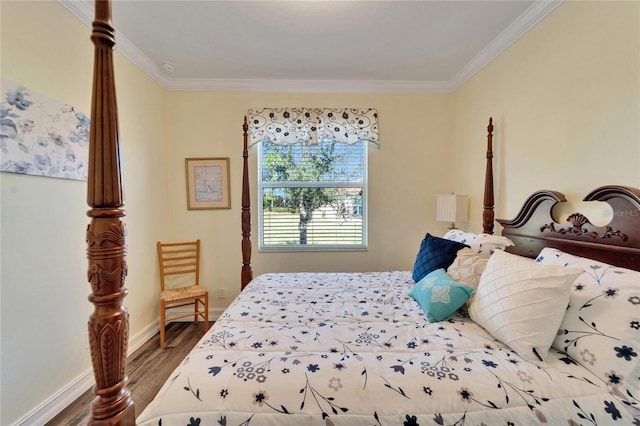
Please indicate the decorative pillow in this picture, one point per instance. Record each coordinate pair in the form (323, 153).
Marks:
(521, 303)
(439, 295)
(601, 327)
(466, 269)
(484, 244)
(434, 253)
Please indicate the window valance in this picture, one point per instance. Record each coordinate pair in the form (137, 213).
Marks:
(310, 125)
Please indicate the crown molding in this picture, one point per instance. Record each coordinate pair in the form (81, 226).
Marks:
(83, 10)
(311, 86)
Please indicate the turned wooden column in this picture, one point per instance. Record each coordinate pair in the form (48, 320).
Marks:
(106, 238)
(487, 210)
(247, 273)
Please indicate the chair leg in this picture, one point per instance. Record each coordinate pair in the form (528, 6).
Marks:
(162, 319)
(206, 312)
(195, 311)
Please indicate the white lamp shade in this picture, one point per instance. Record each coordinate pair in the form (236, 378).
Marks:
(452, 208)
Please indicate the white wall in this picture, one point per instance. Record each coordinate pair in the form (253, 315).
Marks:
(44, 307)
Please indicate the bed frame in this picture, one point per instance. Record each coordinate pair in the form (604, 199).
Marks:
(617, 243)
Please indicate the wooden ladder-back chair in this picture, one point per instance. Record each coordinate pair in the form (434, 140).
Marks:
(180, 283)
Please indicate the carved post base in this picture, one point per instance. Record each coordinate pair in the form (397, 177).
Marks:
(125, 418)
(109, 322)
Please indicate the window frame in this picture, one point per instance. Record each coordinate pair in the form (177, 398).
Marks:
(314, 247)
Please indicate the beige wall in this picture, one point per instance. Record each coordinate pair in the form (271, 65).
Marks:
(44, 284)
(404, 178)
(566, 103)
(565, 100)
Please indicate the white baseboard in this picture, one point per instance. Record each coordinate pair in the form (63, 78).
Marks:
(50, 408)
(56, 403)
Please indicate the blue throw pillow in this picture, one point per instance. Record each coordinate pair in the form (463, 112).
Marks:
(435, 253)
(439, 296)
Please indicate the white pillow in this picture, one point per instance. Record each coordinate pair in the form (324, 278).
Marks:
(601, 327)
(483, 244)
(521, 303)
(467, 268)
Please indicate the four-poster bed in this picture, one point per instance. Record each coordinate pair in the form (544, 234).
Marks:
(355, 348)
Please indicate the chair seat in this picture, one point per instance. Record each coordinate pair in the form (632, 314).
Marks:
(182, 293)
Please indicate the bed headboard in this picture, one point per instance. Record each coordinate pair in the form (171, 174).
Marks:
(617, 243)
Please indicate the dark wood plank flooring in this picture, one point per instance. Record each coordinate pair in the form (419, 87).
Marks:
(147, 368)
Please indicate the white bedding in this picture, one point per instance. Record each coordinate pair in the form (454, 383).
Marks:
(356, 349)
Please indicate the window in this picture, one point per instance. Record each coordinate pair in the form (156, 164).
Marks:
(312, 196)
(312, 176)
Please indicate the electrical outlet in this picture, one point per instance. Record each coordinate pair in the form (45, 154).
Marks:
(221, 294)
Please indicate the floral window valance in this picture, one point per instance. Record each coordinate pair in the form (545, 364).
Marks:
(310, 125)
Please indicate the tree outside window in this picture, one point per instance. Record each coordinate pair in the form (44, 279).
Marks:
(312, 195)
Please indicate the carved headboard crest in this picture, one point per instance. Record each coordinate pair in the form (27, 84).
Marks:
(617, 243)
(578, 220)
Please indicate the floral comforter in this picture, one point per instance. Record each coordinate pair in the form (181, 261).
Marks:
(356, 349)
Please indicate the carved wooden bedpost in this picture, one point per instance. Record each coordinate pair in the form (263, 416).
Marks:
(106, 238)
(247, 273)
(487, 211)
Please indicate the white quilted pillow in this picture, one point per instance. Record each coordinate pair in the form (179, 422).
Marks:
(483, 244)
(467, 268)
(521, 303)
(601, 327)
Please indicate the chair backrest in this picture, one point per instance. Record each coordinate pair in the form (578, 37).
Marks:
(179, 264)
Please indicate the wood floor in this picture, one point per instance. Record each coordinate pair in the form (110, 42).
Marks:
(147, 369)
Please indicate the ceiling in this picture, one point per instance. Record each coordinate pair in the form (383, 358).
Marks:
(307, 45)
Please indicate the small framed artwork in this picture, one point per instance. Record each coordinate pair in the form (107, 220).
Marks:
(208, 184)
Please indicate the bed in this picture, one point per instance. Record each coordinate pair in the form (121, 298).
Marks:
(356, 348)
(359, 348)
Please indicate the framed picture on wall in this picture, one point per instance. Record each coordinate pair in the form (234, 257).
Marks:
(208, 184)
